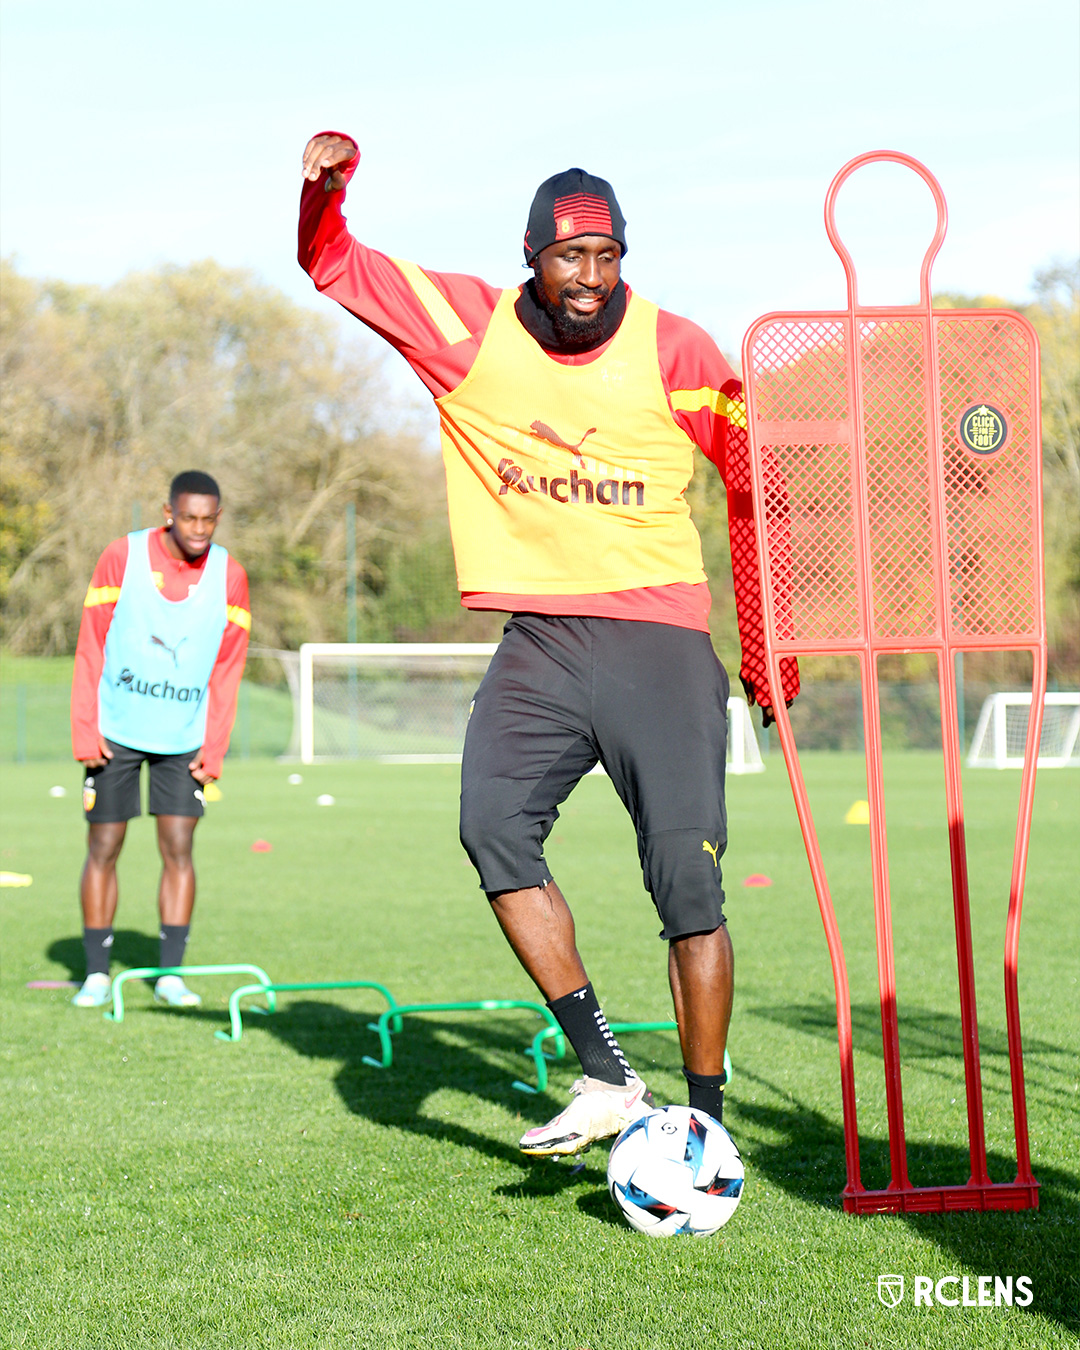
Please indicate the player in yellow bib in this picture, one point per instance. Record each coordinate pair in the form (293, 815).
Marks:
(569, 410)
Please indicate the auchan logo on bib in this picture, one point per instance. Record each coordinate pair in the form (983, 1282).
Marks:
(150, 688)
(576, 489)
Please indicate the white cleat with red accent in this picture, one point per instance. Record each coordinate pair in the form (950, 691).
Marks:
(597, 1111)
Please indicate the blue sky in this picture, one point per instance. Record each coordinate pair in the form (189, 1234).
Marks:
(138, 133)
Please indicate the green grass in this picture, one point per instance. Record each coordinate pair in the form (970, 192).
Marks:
(163, 1188)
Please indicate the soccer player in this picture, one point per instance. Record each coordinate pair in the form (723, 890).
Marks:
(570, 408)
(158, 663)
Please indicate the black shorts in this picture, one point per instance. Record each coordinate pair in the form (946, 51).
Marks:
(111, 794)
(646, 700)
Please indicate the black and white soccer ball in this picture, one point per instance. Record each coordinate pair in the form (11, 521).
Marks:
(676, 1170)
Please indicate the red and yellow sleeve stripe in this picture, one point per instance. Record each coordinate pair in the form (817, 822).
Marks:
(437, 307)
(715, 400)
(108, 595)
(101, 595)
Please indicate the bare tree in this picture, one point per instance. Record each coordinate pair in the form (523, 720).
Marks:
(108, 392)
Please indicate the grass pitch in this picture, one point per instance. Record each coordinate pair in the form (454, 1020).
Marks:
(163, 1188)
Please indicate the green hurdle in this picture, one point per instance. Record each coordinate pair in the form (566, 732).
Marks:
(389, 1022)
(236, 1024)
(153, 972)
(382, 1026)
(536, 1050)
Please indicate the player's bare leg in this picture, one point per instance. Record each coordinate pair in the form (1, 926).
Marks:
(701, 970)
(176, 893)
(98, 894)
(176, 901)
(98, 889)
(539, 927)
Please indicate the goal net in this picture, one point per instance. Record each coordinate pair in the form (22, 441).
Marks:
(1001, 732)
(408, 703)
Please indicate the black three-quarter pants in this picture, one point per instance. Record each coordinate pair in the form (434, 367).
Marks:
(646, 700)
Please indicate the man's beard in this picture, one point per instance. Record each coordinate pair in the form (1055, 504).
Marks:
(574, 330)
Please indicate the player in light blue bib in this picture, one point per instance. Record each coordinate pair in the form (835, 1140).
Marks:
(159, 654)
(163, 642)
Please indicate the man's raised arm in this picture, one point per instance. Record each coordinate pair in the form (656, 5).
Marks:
(436, 320)
(327, 151)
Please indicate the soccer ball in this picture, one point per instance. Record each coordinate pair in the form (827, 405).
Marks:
(675, 1171)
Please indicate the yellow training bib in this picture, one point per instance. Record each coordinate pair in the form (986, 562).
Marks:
(567, 480)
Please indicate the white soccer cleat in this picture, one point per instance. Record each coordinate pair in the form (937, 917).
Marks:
(96, 991)
(172, 990)
(598, 1111)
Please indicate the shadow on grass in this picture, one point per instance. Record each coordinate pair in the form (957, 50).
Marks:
(130, 949)
(932, 1043)
(598, 1206)
(924, 1033)
(802, 1151)
(430, 1054)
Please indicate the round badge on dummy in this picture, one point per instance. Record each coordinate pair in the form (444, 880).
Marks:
(983, 428)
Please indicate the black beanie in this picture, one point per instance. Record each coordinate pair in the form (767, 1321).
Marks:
(573, 203)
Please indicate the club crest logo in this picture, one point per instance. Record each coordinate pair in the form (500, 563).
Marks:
(983, 429)
(890, 1289)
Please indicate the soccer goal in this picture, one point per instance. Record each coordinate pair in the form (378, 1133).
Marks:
(408, 703)
(399, 702)
(1001, 732)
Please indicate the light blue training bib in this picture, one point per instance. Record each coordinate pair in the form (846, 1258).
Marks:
(159, 654)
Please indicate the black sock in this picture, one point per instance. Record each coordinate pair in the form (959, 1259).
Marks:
(174, 938)
(707, 1092)
(587, 1030)
(97, 943)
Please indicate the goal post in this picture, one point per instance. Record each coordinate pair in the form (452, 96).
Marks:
(408, 702)
(1002, 729)
(743, 751)
(386, 700)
